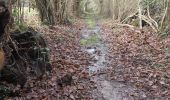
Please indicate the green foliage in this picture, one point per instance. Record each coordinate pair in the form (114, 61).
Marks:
(148, 2)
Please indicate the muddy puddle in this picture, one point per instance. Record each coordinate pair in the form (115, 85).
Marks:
(92, 43)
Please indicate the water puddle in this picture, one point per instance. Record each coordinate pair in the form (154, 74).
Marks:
(91, 51)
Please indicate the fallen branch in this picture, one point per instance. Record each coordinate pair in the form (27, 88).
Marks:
(150, 22)
(134, 14)
(125, 25)
(153, 21)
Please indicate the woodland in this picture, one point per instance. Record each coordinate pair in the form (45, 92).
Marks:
(84, 49)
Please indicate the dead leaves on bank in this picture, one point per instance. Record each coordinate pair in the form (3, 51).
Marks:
(140, 57)
(68, 80)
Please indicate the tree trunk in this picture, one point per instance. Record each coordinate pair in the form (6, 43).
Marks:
(140, 14)
(167, 19)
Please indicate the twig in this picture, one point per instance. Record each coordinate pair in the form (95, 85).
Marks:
(147, 20)
(163, 18)
(134, 14)
(155, 23)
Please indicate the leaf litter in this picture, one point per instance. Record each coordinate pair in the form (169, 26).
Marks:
(138, 58)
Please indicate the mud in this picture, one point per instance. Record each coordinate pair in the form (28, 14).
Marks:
(98, 69)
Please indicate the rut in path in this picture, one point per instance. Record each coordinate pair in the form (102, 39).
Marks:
(93, 43)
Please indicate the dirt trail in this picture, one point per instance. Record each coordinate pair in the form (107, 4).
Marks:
(93, 43)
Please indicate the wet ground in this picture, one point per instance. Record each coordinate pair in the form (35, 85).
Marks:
(93, 43)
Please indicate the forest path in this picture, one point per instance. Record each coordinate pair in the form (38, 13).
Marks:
(92, 42)
(104, 62)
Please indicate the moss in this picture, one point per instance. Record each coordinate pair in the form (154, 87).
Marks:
(83, 42)
(135, 22)
(90, 41)
(91, 22)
